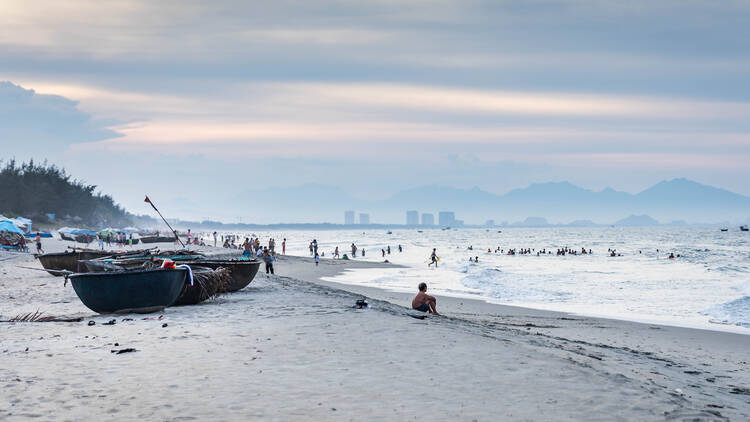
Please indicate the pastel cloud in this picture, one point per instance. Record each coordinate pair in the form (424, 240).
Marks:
(659, 87)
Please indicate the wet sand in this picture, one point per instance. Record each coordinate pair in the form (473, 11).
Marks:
(293, 347)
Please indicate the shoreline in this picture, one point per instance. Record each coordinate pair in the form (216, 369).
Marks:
(405, 297)
(293, 347)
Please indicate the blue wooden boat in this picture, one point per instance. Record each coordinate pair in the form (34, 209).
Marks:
(140, 291)
(32, 235)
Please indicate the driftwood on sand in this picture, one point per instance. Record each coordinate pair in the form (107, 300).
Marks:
(38, 317)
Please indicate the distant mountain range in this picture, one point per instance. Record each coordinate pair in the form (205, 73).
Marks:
(678, 201)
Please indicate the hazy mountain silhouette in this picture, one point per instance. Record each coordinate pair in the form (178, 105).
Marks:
(637, 220)
(557, 202)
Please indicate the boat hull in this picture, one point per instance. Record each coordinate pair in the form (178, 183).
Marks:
(69, 261)
(157, 239)
(140, 291)
(242, 272)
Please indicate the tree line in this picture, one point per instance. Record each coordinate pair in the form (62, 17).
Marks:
(34, 190)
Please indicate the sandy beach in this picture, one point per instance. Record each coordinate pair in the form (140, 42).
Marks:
(293, 347)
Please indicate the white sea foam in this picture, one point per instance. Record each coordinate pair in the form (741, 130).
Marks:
(709, 282)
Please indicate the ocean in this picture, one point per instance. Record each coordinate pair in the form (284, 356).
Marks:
(708, 286)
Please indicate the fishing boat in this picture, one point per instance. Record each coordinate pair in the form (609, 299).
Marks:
(69, 261)
(743, 228)
(136, 259)
(66, 233)
(725, 230)
(157, 239)
(140, 291)
(242, 271)
(83, 235)
(32, 235)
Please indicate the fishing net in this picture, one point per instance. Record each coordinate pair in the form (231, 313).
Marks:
(207, 284)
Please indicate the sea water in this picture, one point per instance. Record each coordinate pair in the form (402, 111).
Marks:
(708, 286)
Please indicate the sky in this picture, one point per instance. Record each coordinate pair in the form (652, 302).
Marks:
(209, 100)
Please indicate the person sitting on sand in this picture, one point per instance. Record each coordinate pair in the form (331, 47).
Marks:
(423, 302)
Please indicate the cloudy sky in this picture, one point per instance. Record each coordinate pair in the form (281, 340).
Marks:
(376, 96)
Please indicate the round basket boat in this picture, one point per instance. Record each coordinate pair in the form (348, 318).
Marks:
(140, 291)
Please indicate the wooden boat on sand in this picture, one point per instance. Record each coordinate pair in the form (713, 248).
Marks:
(241, 271)
(140, 291)
(157, 239)
(68, 260)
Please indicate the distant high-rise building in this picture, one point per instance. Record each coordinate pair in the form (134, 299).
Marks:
(349, 217)
(428, 219)
(364, 218)
(447, 218)
(412, 218)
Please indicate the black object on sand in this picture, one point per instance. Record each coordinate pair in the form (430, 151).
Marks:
(121, 351)
(361, 304)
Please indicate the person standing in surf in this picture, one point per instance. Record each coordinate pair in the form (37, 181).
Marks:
(433, 258)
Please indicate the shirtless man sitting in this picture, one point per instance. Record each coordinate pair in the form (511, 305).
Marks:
(424, 302)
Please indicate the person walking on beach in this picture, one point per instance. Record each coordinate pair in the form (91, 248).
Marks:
(214, 239)
(268, 259)
(433, 258)
(38, 240)
(354, 250)
(283, 247)
(317, 259)
(423, 302)
(336, 252)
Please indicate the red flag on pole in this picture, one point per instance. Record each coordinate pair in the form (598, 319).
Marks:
(147, 200)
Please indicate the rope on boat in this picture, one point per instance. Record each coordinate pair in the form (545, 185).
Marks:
(190, 271)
